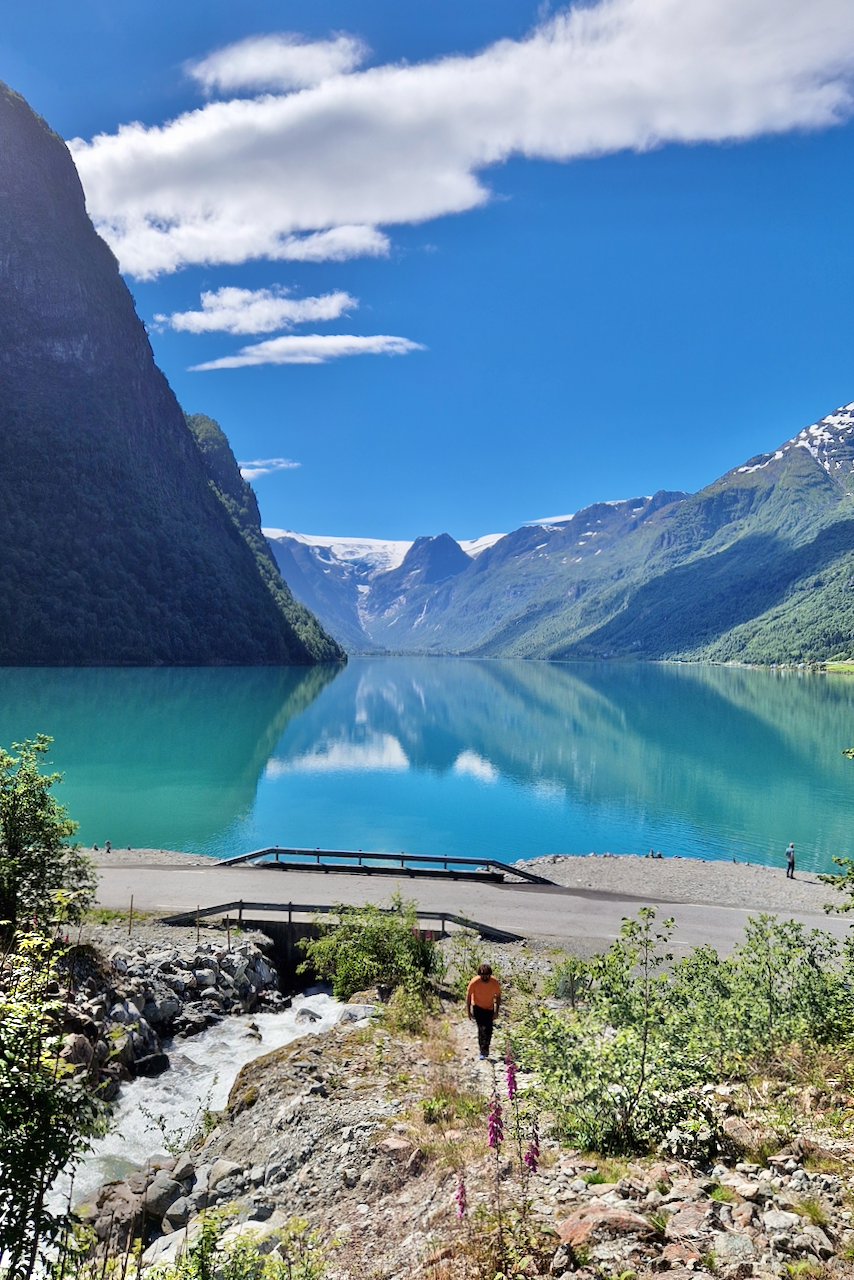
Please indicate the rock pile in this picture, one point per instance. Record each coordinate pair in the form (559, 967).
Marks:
(295, 1140)
(117, 1019)
(739, 1221)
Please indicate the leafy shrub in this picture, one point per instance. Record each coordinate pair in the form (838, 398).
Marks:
(36, 863)
(624, 1070)
(48, 1111)
(361, 947)
(568, 980)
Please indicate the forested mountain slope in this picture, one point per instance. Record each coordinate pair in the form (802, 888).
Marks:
(114, 546)
(756, 567)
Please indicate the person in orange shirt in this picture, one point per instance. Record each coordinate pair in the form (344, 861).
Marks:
(483, 1000)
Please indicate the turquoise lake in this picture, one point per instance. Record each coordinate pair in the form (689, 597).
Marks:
(449, 756)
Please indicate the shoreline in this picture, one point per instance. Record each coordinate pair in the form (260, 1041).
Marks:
(633, 876)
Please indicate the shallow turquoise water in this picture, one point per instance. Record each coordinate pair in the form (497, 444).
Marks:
(432, 755)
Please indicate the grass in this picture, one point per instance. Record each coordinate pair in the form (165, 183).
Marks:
(607, 1171)
(448, 1103)
(813, 1209)
(110, 915)
(725, 1195)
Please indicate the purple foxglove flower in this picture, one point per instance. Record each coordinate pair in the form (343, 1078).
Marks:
(460, 1197)
(495, 1123)
(512, 1087)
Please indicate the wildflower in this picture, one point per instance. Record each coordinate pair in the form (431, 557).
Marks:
(494, 1123)
(460, 1197)
(531, 1158)
(512, 1087)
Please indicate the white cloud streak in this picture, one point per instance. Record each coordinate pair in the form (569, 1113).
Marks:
(314, 174)
(312, 348)
(281, 61)
(264, 466)
(232, 310)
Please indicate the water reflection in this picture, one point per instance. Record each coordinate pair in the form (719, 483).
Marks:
(433, 755)
(712, 761)
(162, 757)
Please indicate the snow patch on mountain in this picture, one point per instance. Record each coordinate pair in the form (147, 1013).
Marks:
(474, 546)
(375, 554)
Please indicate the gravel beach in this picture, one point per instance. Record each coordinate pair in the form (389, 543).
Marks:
(720, 884)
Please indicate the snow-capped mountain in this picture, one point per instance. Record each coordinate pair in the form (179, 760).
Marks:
(353, 579)
(758, 566)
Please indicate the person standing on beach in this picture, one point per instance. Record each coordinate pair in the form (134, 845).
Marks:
(483, 1000)
(790, 862)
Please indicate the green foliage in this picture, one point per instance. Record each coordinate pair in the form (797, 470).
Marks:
(569, 980)
(464, 951)
(361, 947)
(35, 861)
(297, 1255)
(407, 1009)
(624, 1069)
(47, 1111)
(239, 500)
(114, 549)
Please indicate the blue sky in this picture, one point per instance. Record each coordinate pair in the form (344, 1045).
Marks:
(621, 261)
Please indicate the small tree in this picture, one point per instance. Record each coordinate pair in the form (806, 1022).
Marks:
(35, 860)
(48, 1111)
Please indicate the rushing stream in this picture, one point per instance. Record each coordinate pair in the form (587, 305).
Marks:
(202, 1071)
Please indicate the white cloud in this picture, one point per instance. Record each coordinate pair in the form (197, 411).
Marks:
(282, 61)
(313, 174)
(312, 348)
(264, 466)
(231, 310)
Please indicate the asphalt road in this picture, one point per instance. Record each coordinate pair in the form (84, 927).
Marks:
(581, 919)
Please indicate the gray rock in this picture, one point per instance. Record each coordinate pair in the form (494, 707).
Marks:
(152, 1064)
(177, 1215)
(161, 1192)
(775, 1220)
(818, 1240)
(222, 1169)
(205, 978)
(184, 1167)
(730, 1247)
(166, 1249)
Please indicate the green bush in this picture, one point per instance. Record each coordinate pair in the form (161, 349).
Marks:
(624, 1069)
(48, 1111)
(361, 947)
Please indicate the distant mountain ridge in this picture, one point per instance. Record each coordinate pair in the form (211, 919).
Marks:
(117, 544)
(756, 567)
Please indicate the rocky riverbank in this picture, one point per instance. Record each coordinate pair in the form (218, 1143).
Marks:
(128, 996)
(363, 1133)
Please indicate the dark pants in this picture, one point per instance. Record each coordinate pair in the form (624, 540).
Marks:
(484, 1019)
(790, 870)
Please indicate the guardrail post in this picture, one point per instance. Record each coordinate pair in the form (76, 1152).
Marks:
(240, 913)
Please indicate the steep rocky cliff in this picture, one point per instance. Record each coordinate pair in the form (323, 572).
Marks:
(114, 546)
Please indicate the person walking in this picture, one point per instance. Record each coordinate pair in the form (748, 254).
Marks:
(790, 862)
(483, 1000)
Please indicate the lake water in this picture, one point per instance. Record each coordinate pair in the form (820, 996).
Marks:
(449, 756)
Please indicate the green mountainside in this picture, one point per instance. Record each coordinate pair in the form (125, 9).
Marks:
(114, 546)
(756, 567)
(239, 500)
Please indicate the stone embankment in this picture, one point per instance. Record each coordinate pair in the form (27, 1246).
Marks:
(126, 999)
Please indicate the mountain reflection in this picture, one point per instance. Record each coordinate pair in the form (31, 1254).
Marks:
(157, 757)
(747, 759)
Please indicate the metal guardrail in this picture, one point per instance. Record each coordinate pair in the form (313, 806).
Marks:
(284, 859)
(486, 931)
